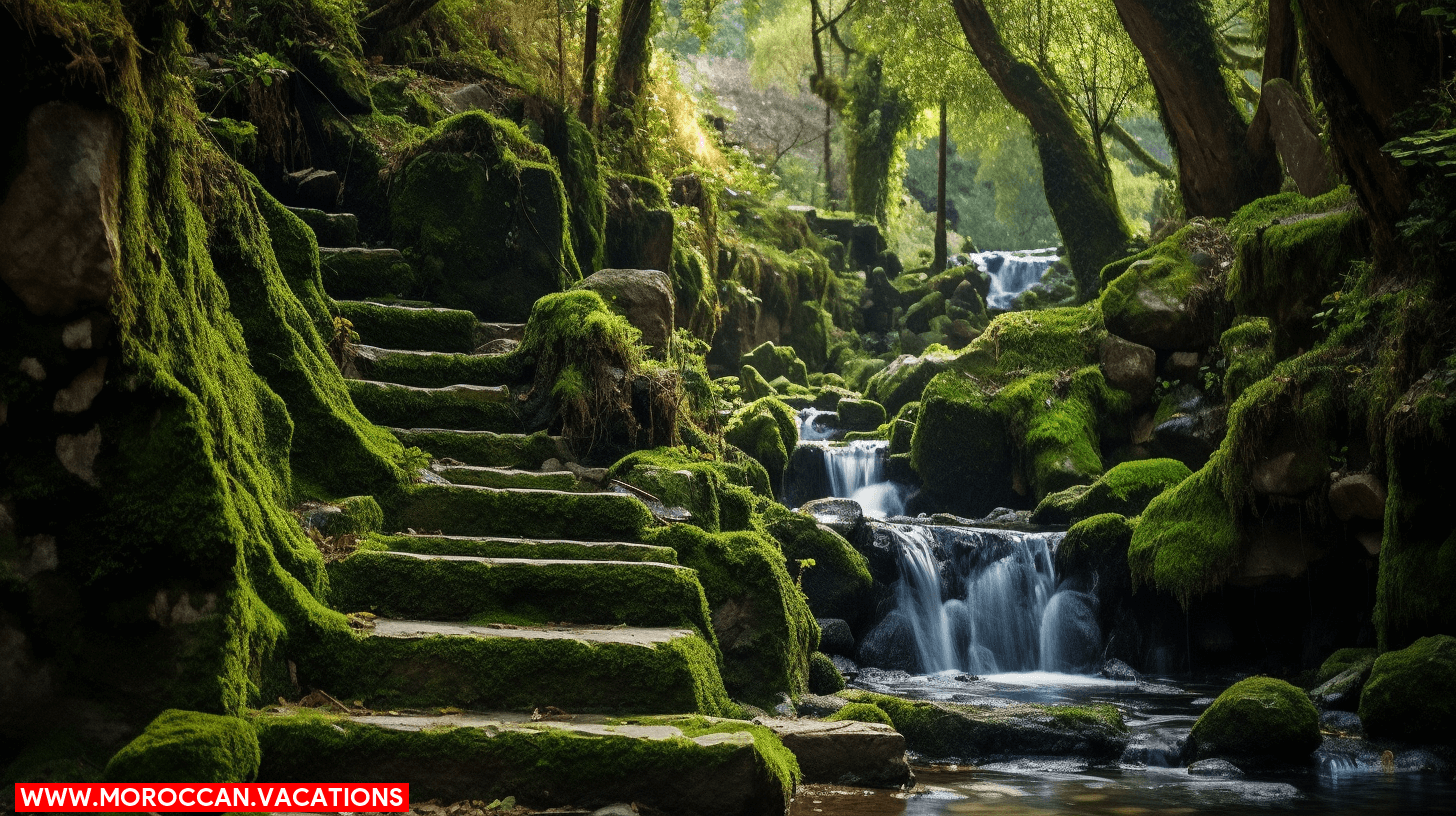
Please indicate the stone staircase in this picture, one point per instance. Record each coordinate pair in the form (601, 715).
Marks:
(498, 591)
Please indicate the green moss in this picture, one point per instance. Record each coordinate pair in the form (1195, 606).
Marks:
(767, 430)
(439, 370)
(521, 548)
(188, 746)
(1097, 545)
(1411, 693)
(575, 151)
(1343, 660)
(1187, 542)
(681, 478)
(1042, 340)
(396, 327)
(485, 448)
(576, 769)
(1249, 349)
(860, 415)
(362, 514)
(861, 712)
(584, 592)
(960, 443)
(859, 370)
(1056, 508)
(356, 274)
(1056, 418)
(398, 406)
(838, 584)
(764, 626)
(1127, 488)
(778, 361)
(1259, 719)
(1147, 303)
(483, 511)
(824, 678)
(1289, 242)
(530, 479)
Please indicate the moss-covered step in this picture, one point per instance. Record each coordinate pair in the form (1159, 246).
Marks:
(486, 448)
(500, 547)
(412, 327)
(690, 766)
(600, 669)
(512, 477)
(356, 272)
(466, 587)
(487, 511)
(463, 407)
(429, 369)
(331, 229)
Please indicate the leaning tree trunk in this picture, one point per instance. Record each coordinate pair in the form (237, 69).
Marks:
(1217, 172)
(1078, 188)
(629, 74)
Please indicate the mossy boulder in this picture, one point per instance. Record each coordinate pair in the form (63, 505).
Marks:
(752, 386)
(1098, 546)
(960, 445)
(1161, 298)
(778, 361)
(860, 415)
(767, 430)
(1056, 508)
(824, 678)
(1127, 488)
(481, 212)
(1258, 721)
(1411, 693)
(189, 746)
(711, 489)
(905, 378)
(861, 712)
(1249, 348)
(1187, 543)
(837, 584)
(1342, 660)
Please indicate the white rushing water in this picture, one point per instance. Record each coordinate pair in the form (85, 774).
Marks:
(811, 428)
(992, 606)
(856, 470)
(1013, 273)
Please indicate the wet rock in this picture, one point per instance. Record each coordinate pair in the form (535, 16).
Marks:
(58, 222)
(1345, 722)
(846, 753)
(1341, 691)
(618, 809)
(1128, 366)
(1115, 669)
(1259, 721)
(1189, 426)
(890, 644)
(644, 297)
(843, 516)
(785, 707)
(835, 637)
(1409, 693)
(1358, 495)
(1216, 769)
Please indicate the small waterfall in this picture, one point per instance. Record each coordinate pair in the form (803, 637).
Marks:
(853, 470)
(812, 429)
(986, 602)
(1012, 273)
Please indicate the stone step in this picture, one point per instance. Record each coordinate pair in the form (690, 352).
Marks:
(545, 514)
(511, 477)
(356, 272)
(502, 331)
(845, 752)
(412, 327)
(463, 407)
(502, 547)
(688, 766)
(486, 448)
(430, 369)
(620, 669)
(331, 229)
(467, 587)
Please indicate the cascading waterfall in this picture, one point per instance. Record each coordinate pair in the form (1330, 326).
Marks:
(986, 602)
(811, 428)
(1012, 273)
(856, 470)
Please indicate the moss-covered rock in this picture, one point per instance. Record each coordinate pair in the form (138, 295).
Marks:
(484, 511)
(482, 213)
(824, 678)
(680, 478)
(189, 746)
(1258, 721)
(861, 712)
(960, 445)
(752, 386)
(405, 327)
(1249, 348)
(767, 430)
(1411, 693)
(837, 584)
(904, 379)
(1342, 660)
(356, 273)
(466, 408)
(1161, 298)
(504, 547)
(1127, 488)
(860, 415)
(433, 369)
(486, 448)
(1187, 543)
(1098, 545)
(778, 361)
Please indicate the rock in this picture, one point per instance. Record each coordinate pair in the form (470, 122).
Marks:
(904, 379)
(860, 415)
(1358, 495)
(974, 733)
(1115, 669)
(835, 637)
(338, 78)
(1183, 365)
(644, 297)
(917, 317)
(815, 705)
(1410, 692)
(1345, 722)
(552, 466)
(846, 667)
(78, 453)
(846, 753)
(1296, 137)
(824, 678)
(470, 97)
(315, 188)
(1292, 473)
(1056, 508)
(355, 272)
(1153, 303)
(1259, 721)
(785, 707)
(1188, 426)
(620, 808)
(58, 223)
(890, 645)
(777, 361)
(331, 229)
(189, 746)
(1215, 769)
(77, 397)
(597, 475)
(1128, 366)
(1341, 692)
(843, 516)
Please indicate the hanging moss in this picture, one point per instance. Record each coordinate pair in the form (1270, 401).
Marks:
(1249, 349)
(1187, 543)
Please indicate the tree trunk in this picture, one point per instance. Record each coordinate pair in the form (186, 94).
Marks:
(1217, 172)
(629, 73)
(389, 15)
(938, 264)
(818, 86)
(1078, 189)
(589, 66)
(1281, 53)
(1367, 66)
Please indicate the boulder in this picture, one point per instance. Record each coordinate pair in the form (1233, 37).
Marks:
(752, 386)
(824, 678)
(1411, 693)
(918, 316)
(1358, 495)
(1341, 692)
(838, 583)
(860, 415)
(1153, 303)
(1343, 660)
(1183, 365)
(469, 97)
(778, 361)
(1115, 669)
(890, 645)
(835, 637)
(845, 752)
(644, 297)
(1292, 473)
(356, 272)
(905, 378)
(1188, 426)
(314, 188)
(331, 229)
(1056, 508)
(59, 241)
(843, 516)
(1260, 721)
(1215, 769)
(1125, 489)
(1128, 366)
(189, 746)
